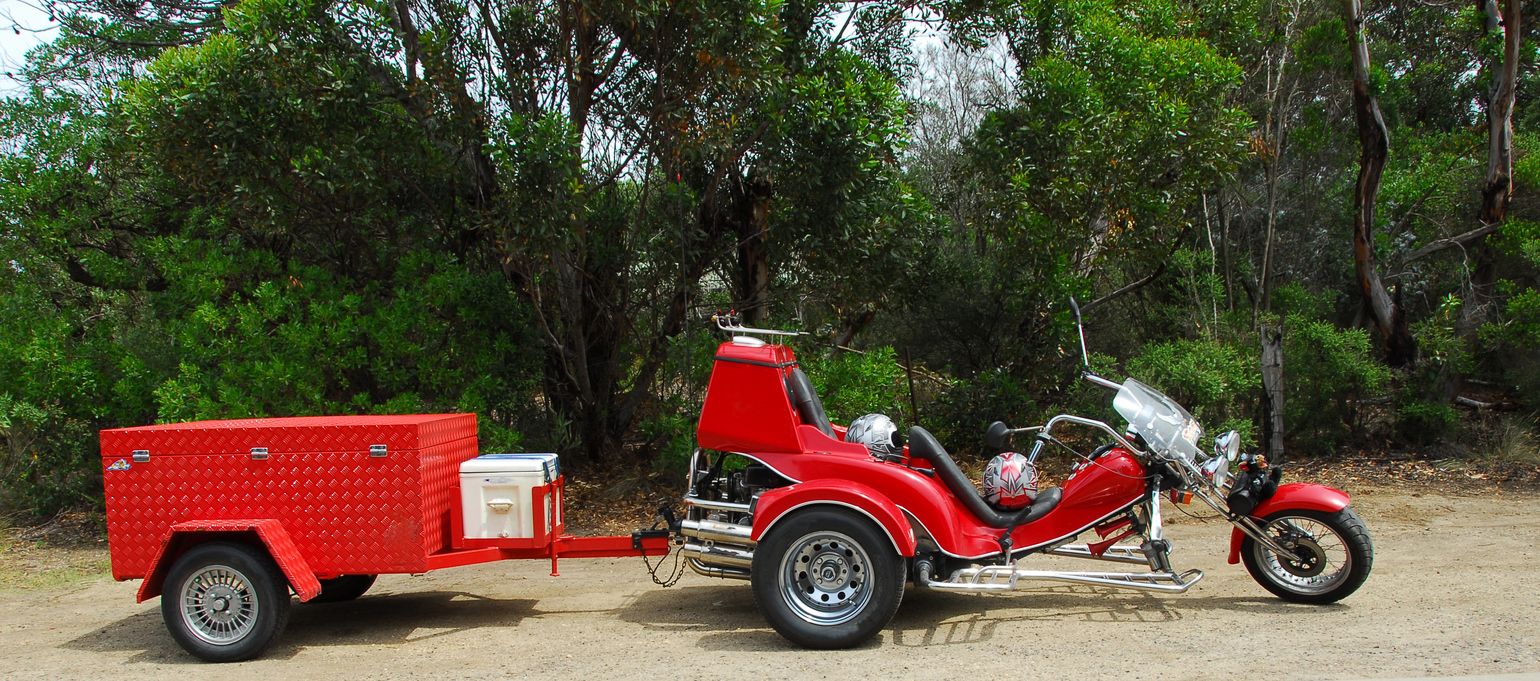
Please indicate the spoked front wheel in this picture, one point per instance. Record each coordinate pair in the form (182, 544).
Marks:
(1331, 557)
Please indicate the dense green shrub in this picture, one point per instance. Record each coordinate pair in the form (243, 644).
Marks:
(1215, 381)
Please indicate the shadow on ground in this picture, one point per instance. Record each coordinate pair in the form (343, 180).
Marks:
(728, 619)
(371, 620)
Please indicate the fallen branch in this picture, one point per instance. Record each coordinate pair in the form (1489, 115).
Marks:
(1450, 242)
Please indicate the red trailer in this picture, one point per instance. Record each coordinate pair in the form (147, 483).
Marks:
(224, 517)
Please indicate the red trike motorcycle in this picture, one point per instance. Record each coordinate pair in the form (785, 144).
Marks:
(829, 532)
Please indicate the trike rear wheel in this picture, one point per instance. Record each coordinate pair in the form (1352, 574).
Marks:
(827, 578)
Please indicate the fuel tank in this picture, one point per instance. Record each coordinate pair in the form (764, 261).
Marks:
(1094, 490)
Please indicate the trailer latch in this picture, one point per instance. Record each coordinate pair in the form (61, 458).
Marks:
(258, 453)
(141, 455)
(378, 450)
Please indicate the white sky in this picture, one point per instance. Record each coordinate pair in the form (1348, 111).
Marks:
(22, 26)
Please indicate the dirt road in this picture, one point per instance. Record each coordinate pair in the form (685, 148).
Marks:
(1453, 591)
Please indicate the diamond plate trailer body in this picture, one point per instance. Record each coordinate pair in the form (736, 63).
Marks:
(323, 496)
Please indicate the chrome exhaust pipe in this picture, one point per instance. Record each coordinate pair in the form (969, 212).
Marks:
(717, 532)
(719, 572)
(717, 555)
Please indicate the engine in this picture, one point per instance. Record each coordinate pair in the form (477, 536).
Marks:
(719, 512)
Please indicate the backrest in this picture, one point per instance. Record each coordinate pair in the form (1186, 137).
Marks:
(805, 399)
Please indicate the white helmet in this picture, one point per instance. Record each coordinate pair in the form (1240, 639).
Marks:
(877, 432)
(1010, 482)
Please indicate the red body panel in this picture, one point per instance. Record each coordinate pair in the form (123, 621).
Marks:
(347, 512)
(747, 411)
(1099, 490)
(776, 503)
(1306, 496)
(269, 532)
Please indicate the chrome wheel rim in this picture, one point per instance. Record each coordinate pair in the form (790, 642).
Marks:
(219, 605)
(1321, 559)
(825, 578)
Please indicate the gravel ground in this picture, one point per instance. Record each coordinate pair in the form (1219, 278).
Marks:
(1452, 593)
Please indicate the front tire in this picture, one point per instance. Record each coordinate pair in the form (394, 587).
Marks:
(225, 602)
(827, 578)
(1332, 558)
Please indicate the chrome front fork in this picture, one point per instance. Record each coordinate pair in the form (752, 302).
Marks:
(1156, 549)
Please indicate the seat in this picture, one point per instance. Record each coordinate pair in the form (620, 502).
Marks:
(805, 400)
(924, 445)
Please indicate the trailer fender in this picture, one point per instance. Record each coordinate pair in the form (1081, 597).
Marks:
(269, 533)
(1306, 496)
(777, 503)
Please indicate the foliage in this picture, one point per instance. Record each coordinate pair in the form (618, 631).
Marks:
(527, 209)
(1214, 381)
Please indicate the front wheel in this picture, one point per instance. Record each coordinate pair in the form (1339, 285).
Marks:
(827, 578)
(1331, 559)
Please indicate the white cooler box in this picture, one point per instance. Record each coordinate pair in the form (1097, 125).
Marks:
(496, 494)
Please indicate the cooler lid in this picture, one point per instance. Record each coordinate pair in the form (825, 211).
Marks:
(398, 432)
(511, 463)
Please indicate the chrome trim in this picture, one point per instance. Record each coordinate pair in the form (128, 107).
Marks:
(141, 455)
(1102, 425)
(258, 453)
(1006, 578)
(719, 532)
(1026, 549)
(1114, 554)
(378, 451)
(716, 505)
(1098, 380)
(719, 572)
(718, 555)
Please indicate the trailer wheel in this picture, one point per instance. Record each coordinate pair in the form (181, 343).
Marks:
(827, 578)
(225, 602)
(344, 588)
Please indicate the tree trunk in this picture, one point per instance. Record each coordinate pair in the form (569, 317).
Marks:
(1497, 189)
(1374, 150)
(753, 230)
(1272, 389)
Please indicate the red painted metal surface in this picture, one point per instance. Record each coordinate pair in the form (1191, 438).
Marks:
(346, 511)
(777, 503)
(747, 411)
(1306, 496)
(746, 406)
(268, 532)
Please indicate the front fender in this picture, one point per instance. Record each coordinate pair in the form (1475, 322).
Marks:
(781, 501)
(1295, 496)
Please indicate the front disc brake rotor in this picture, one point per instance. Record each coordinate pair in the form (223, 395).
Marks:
(1308, 559)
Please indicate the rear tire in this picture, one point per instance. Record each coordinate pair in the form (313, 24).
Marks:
(1333, 557)
(344, 588)
(225, 602)
(827, 578)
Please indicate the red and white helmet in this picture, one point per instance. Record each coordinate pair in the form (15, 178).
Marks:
(1010, 482)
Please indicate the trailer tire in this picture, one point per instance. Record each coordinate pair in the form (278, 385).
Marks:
(225, 601)
(827, 578)
(344, 588)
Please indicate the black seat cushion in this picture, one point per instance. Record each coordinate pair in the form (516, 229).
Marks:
(925, 446)
(805, 400)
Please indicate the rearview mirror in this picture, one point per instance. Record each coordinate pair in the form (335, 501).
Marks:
(997, 438)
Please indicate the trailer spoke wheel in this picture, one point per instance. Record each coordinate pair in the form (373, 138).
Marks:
(225, 601)
(822, 578)
(218, 604)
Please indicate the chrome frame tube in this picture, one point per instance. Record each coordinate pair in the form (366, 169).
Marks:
(1068, 418)
(989, 578)
(1114, 554)
(713, 571)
